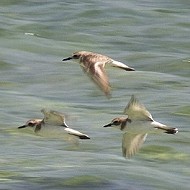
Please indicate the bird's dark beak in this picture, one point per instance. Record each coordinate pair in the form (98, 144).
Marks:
(68, 58)
(108, 125)
(23, 126)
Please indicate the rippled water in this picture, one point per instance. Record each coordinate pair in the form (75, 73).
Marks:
(153, 37)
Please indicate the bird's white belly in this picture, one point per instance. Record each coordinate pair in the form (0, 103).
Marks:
(141, 127)
(56, 132)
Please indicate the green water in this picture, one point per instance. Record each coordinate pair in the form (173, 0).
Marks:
(153, 37)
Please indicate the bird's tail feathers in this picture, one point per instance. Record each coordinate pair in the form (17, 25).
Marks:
(168, 130)
(121, 66)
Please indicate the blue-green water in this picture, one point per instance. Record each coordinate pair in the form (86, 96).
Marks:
(151, 36)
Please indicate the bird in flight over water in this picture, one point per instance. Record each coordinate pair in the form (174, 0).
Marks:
(136, 125)
(93, 65)
(53, 125)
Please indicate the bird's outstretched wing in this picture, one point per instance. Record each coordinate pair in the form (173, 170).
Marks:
(136, 111)
(96, 71)
(53, 117)
(131, 143)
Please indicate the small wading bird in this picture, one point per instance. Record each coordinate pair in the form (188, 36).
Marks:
(136, 126)
(93, 65)
(53, 125)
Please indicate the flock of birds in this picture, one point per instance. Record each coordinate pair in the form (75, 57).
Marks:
(135, 126)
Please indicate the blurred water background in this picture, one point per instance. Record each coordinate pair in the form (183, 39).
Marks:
(151, 36)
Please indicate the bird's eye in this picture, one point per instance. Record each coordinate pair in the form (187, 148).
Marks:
(30, 124)
(75, 56)
(116, 122)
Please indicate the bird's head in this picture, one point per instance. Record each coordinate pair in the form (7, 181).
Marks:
(32, 123)
(119, 123)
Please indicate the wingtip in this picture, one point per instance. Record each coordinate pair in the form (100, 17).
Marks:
(84, 137)
(129, 69)
(126, 154)
(45, 111)
(108, 95)
(172, 131)
(132, 101)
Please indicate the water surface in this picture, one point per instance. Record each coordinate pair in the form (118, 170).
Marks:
(152, 37)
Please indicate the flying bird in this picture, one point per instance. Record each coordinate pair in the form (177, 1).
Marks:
(136, 125)
(93, 65)
(53, 125)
